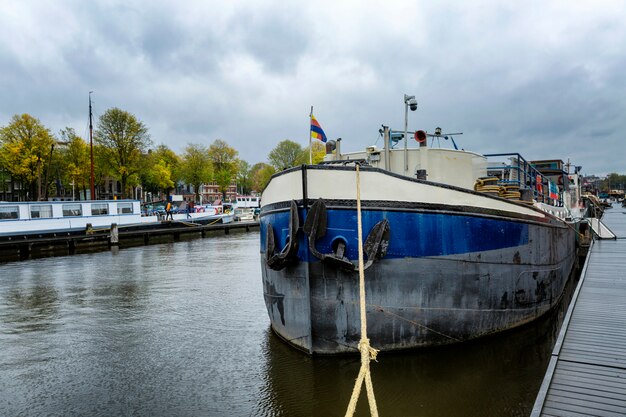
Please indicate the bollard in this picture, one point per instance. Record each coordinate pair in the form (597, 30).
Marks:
(115, 237)
(71, 247)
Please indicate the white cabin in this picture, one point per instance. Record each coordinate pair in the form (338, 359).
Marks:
(18, 217)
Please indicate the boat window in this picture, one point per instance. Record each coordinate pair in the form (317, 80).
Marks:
(99, 209)
(72, 210)
(9, 212)
(124, 208)
(41, 211)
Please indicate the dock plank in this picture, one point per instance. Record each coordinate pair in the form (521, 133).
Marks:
(587, 374)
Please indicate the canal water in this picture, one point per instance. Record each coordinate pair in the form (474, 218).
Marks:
(180, 329)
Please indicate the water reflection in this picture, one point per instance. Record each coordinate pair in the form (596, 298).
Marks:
(496, 376)
(30, 308)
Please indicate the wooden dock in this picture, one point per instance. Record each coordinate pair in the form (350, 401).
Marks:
(586, 375)
(24, 246)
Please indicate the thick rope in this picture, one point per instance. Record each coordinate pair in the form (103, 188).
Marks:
(367, 352)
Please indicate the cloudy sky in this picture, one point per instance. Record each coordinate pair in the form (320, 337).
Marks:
(546, 79)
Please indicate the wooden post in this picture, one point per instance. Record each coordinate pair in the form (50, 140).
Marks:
(24, 250)
(115, 237)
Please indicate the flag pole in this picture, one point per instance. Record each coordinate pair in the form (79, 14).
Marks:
(310, 143)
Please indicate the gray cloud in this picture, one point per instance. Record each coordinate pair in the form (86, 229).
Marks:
(544, 80)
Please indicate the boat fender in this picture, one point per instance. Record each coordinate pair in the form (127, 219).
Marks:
(375, 246)
(288, 255)
(377, 242)
(420, 136)
(315, 228)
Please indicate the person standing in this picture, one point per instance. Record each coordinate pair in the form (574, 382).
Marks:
(168, 211)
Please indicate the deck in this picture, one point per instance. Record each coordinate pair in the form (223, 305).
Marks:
(586, 375)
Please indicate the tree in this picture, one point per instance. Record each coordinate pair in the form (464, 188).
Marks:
(244, 181)
(75, 165)
(285, 155)
(225, 164)
(161, 170)
(614, 181)
(260, 175)
(319, 151)
(123, 139)
(25, 150)
(195, 168)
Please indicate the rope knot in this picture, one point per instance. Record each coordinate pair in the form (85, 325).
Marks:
(365, 348)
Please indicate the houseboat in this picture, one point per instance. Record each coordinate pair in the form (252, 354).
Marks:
(458, 245)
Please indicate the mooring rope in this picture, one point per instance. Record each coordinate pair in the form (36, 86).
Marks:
(368, 353)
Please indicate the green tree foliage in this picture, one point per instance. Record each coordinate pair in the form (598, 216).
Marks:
(161, 170)
(75, 166)
(244, 180)
(285, 155)
(319, 151)
(225, 164)
(260, 175)
(25, 149)
(196, 168)
(614, 181)
(123, 140)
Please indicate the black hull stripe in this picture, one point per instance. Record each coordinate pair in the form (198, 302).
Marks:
(420, 207)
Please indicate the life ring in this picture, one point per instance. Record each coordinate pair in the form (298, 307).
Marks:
(420, 136)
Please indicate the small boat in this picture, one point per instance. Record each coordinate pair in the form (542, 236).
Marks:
(244, 214)
(53, 216)
(458, 245)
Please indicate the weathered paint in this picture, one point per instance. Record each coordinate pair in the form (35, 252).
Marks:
(445, 279)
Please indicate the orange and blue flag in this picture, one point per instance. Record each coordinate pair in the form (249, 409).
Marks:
(316, 130)
(554, 190)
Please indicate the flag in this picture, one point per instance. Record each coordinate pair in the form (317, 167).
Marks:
(316, 130)
(554, 191)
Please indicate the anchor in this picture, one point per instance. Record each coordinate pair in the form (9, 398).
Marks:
(375, 246)
(288, 255)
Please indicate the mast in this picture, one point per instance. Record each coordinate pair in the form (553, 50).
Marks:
(91, 184)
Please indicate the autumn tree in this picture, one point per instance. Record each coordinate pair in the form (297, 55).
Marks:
(25, 149)
(123, 139)
(260, 175)
(195, 167)
(285, 155)
(75, 166)
(317, 156)
(161, 170)
(225, 164)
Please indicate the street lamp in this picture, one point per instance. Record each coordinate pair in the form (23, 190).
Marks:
(409, 101)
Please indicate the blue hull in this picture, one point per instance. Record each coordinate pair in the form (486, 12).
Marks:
(446, 277)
